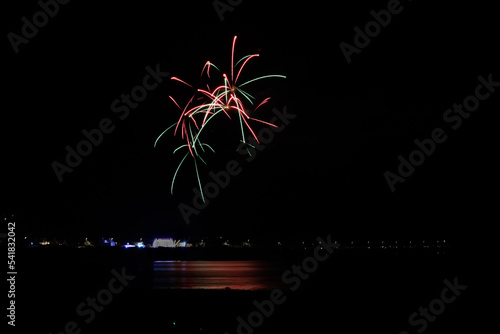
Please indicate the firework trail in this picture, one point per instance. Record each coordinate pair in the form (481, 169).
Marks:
(224, 99)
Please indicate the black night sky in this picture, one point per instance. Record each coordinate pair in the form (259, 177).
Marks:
(385, 133)
(323, 172)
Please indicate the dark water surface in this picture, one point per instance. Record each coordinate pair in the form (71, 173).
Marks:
(351, 292)
(235, 275)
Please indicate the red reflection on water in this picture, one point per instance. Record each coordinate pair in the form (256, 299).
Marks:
(236, 275)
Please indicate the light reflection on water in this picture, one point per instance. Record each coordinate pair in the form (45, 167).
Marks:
(236, 275)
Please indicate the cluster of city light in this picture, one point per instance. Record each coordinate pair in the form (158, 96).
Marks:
(224, 241)
(169, 243)
(136, 245)
(157, 243)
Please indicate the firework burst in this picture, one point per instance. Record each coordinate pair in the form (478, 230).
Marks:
(206, 104)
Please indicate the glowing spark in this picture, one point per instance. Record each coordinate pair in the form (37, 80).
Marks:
(175, 78)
